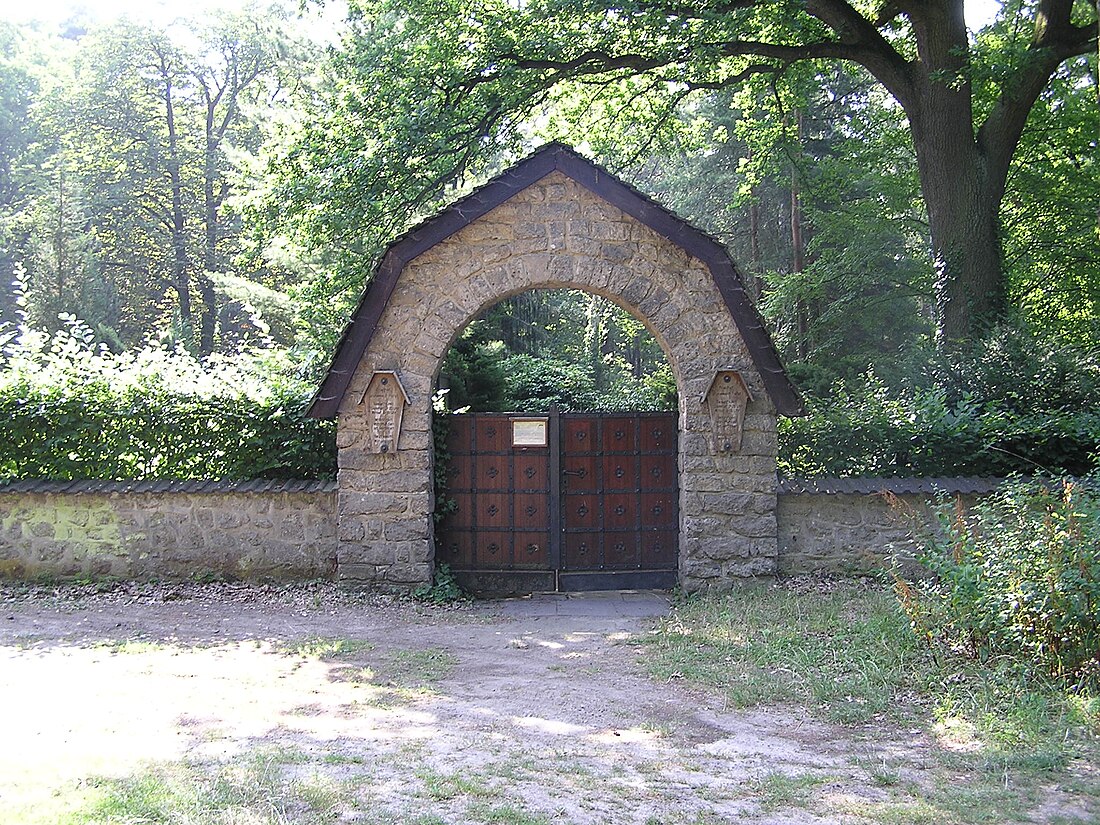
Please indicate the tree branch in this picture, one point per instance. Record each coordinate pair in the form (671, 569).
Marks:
(857, 40)
(1054, 41)
(867, 45)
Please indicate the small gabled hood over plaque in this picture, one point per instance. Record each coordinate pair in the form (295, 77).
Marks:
(726, 400)
(385, 399)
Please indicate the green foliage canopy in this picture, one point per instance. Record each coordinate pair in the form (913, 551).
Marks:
(561, 347)
(1012, 403)
(425, 93)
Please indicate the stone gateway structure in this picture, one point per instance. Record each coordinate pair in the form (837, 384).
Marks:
(556, 220)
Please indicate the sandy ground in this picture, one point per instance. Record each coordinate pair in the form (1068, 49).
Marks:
(550, 714)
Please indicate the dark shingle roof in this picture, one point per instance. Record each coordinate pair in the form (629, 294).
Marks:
(898, 486)
(98, 487)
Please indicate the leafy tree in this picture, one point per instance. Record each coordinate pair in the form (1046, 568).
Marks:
(1052, 244)
(143, 121)
(827, 163)
(61, 251)
(17, 89)
(240, 55)
(425, 92)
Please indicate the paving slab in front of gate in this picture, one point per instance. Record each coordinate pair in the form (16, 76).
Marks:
(615, 604)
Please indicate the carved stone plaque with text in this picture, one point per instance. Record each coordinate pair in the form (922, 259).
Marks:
(385, 400)
(725, 402)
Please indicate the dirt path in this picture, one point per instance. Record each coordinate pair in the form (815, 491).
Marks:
(374, 711)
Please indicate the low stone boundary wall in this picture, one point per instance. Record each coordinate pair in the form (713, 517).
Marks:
(287, 529)
(848, 526)
(168, 529)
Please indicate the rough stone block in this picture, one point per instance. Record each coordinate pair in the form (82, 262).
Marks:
(358, 573)
(409, 574)
(352, 531)
(407, 530)
(378, 554)
(753, 526)
(732, 504)
(369, 504)
(42, 529)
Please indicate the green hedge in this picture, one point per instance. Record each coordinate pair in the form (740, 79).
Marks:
(71, 410)
(873, 434)
(1012, 403)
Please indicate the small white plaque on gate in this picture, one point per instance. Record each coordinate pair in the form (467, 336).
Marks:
(529, 432)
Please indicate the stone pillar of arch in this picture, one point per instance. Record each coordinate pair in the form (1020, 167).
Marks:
(556, 228)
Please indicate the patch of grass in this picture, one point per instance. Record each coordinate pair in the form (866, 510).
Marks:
(393, 697)
(319, 647)
(253, 790)
(446, 786)
(343, 759)
(883, 773)
(913, 812)
(416, 668)
(427, 819)
(660, 730)
(504, 815)
(321, 794)
(847, 654)
(283, 755)
(133, 646)
(844, 656)
(782, 790)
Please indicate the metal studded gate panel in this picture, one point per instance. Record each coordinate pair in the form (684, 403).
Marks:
(619, 501)
(579, 501)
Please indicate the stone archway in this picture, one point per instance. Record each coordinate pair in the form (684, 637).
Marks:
(557, 220)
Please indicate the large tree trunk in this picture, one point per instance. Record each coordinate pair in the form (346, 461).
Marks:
(210, 243)
(970, 294)
(963, 205)
(180, 275)
(962, 201)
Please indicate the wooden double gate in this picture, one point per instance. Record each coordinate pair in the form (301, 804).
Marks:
(576, 501)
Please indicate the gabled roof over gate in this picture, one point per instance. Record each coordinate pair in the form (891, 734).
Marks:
(554, 156)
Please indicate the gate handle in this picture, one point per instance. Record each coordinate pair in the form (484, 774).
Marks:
(573, 473)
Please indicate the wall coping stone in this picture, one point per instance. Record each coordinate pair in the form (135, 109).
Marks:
(134, 487)
(787, 486)
(898, 486)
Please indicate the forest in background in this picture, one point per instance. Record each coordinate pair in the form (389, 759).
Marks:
(188, 214)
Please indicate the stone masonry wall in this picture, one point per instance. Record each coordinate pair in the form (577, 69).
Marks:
(854, 533)
(270, 530)
(148, 530)
(557, 234)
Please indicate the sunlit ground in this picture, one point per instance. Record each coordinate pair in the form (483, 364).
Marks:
(766, 707)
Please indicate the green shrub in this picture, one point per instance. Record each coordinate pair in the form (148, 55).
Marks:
(72, 409)
(1012, 403)
(535, 383)
(1017, 576)
(443, 589)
